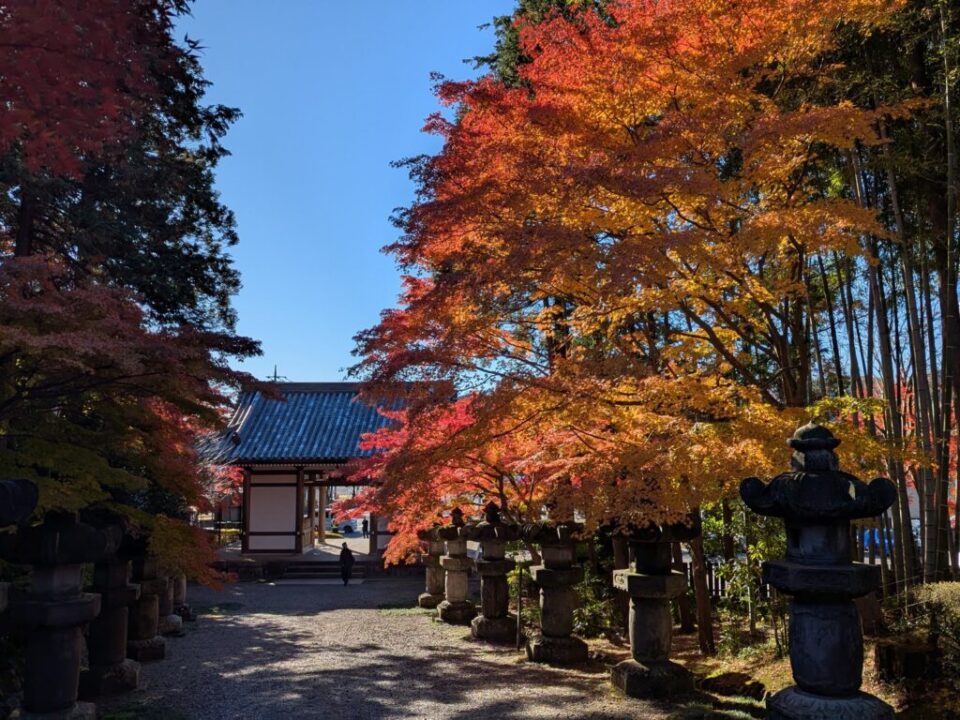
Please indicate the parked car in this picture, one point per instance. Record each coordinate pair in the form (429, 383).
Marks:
(346, 527)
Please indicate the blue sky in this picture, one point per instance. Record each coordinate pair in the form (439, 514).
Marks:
(331, 93)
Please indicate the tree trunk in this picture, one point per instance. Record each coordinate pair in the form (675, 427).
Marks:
(727, 537)
(687, 623)
(903, 538)
(702, 593)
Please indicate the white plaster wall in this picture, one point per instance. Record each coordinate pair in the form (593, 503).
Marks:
(259, 479)
(382, 527)
(272, 509)
(265, 542)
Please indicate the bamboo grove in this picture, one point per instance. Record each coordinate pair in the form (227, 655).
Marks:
(658, 237)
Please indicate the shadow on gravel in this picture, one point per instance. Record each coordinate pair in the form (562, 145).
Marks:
(378, 683)
(267, 669)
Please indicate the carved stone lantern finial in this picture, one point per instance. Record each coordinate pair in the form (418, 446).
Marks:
(817, 501)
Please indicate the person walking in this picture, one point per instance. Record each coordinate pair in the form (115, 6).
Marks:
(365, 527)
(346, 564)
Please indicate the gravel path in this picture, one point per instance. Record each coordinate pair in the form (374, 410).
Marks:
(325, 651)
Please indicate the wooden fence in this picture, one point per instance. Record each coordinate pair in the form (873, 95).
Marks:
(717, 583)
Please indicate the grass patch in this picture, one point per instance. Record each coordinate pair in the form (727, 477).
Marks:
(225, 608)
(720, 709)
(398, 609)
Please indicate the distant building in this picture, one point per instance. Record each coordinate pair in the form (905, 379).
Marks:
(294, 453)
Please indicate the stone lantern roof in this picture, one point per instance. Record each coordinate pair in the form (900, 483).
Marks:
(817, 490)
(552, 533)
(492, 528)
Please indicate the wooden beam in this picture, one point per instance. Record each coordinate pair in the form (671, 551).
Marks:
(245, 526)
(322, 534)
(298, 511)
(312, 502)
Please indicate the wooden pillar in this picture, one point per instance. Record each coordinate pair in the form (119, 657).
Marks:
(245, 520)
(298, 512)
(312, 502)
(323, 513)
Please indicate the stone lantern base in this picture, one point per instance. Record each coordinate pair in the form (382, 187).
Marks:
(171, 625)
(110, 680)
(500, 630)
(652, 679)
(79, 711)
(795, 704)
(556, 650)
(154, 648)
(429, 600)
(457, 613)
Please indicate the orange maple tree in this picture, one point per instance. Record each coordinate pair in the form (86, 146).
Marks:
(614, 251)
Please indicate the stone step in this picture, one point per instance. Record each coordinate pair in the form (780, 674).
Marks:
(320, 573)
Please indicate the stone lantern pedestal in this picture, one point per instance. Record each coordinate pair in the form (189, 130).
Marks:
(433, 594)
(144, 642)
(817, 502)
(110, 671)
(54, 611)
(652, 584)
(456, 608)
(555, 643)
(494, 623)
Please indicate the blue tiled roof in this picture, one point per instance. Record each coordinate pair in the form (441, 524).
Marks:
(316, 423)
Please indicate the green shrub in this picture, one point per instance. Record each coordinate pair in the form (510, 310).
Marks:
(530, 613)
(941, 602)
(596, 613)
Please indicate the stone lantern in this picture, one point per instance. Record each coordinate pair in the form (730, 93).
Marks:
(110, 671)
(456, 608)
(169, 623)
(651, 584)
(817, 502)
(433, 594)
(144, 642)
(555, 643)
(54, 611)
(494, 623)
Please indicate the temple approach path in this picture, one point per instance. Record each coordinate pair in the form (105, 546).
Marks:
(263, 651)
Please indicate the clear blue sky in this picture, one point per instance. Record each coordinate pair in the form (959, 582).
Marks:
(331, 93)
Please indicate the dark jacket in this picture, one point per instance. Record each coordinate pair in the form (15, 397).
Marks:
(346, 558)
